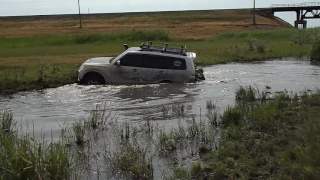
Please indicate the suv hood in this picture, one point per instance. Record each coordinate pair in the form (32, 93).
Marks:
(98, 60)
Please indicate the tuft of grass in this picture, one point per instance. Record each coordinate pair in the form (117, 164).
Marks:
(166, 142)
(195, 170)
(98, 117)
(179, 109)
(256, 45)
(165, 110)
(7, 123)
(210, 105)
(181, 173)
(42, 70)
(212, 114)
(233, 116)
(131, 159)
(79, 132)
(246, 94)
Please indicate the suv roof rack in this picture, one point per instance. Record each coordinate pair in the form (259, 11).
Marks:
(173, 49)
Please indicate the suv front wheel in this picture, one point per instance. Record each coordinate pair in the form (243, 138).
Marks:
(93, 78)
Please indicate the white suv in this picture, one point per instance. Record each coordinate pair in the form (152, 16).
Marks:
(146, 64)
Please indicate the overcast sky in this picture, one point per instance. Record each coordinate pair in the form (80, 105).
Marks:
(40, 7)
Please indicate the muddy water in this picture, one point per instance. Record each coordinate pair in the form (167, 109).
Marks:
(46, 110)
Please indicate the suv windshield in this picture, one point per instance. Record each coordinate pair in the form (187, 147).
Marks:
(111, 60)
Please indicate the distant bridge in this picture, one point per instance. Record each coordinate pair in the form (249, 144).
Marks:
(306, 10)
(305, 4)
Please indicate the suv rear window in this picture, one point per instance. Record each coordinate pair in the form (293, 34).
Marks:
(153, 61)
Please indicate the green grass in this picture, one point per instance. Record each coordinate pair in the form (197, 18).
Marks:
(15, 79)
(51, 39)
(132, 160)
(306, 35)
(79, 132)
(315, 53)
(274, 139)
(23, 157)
(21, 57)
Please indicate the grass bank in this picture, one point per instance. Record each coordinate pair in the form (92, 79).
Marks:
(36, 62)
(198, 24)
(265, 137)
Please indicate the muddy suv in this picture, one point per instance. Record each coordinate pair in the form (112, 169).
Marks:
(146, 64)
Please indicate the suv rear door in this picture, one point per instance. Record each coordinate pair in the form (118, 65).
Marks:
(159, 68)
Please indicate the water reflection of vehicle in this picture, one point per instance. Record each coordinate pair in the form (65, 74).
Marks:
(161, 91)
(149, 100)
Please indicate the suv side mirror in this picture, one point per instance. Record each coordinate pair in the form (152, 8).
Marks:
(118, 63)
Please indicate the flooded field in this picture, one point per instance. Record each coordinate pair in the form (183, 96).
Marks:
(47, 110)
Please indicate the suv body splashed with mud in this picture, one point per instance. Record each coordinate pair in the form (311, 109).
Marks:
(146, 64)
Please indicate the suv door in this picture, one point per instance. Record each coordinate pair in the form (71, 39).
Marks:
(129, 71)
(159, 68)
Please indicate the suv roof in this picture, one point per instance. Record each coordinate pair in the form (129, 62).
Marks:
(166, 48)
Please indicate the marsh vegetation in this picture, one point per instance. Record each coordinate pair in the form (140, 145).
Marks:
(269, 136)
(273, 139)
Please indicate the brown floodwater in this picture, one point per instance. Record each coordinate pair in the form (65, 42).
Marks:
(48, 109)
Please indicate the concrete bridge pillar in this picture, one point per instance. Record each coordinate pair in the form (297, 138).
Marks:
(300, 22)
(298, 15)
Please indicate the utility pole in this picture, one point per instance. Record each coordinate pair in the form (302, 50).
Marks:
(254, 12)
(79, 14)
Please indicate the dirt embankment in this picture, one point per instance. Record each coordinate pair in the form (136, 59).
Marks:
(179, 24)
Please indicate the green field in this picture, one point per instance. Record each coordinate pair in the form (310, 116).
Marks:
(36, 62)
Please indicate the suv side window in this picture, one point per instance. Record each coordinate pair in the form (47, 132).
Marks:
(133, 60)
(164, 62)
(153, 61)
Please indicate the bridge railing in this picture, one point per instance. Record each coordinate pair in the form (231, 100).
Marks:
(305, 4)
